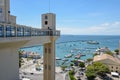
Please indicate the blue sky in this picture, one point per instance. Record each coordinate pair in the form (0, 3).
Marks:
(78, 17)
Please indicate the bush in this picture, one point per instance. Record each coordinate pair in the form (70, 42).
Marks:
(90, 59)
(71, 64)
(109, 53)
(117, 51)
(82, 64)
(63, 67)
(71, 74)
(95, 54)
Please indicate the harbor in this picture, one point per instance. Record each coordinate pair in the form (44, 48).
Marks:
(68, 49)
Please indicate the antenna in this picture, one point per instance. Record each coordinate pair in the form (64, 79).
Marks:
(49, 6)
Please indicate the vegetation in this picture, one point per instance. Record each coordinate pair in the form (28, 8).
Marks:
(89, 60)
(63, 67)
(97, 68)
(117, 51)
(71, 74)
(109, 53)
(82, 64)
(20, 57)
(71, 64)
(95, 54)
(29, 58)
(90, 72)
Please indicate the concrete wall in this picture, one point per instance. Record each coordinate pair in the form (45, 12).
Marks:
(9, 60)
(12, 19)
(9, 67)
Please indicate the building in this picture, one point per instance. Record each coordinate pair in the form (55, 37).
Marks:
(14, 36)
(102, 50)
(112, 62)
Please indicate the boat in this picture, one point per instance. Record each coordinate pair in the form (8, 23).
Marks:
(65, 59)
(77, 56)
(68, 56)
(57, 58)
(92, 42)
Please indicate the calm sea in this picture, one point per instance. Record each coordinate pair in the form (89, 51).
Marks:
(75, 44)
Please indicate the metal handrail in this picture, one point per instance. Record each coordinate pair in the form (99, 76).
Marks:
(7, 30)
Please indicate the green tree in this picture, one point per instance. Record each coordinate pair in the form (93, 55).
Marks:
(117, 51)
(71, 74)
(71, 64)
(100, 68)
(90, 72)
(97, 68)
(82, 64)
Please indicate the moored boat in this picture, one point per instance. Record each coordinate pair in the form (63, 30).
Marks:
(92, 42)
(68, 56)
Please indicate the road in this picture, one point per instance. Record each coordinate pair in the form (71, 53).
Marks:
(33, 76)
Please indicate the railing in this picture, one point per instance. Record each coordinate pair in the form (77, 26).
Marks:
(7, 30)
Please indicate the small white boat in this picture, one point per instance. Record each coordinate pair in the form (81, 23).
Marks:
(92, 42)
(57, 58)
(68, 56)
(65, 59)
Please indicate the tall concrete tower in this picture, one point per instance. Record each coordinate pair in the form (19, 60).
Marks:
(4, 10)
(49, 23)
(5, 16)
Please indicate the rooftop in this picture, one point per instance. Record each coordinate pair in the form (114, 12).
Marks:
(104, 57)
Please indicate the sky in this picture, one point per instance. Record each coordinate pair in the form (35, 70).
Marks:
(73, 17)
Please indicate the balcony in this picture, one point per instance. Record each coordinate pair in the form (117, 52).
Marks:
(9, 30)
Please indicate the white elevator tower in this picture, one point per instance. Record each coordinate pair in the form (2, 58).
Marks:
(49, 23)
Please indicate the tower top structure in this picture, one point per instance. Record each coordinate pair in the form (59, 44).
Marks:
(5, 12)
(49, 21)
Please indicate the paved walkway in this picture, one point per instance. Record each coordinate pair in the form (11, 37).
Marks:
(29, 71)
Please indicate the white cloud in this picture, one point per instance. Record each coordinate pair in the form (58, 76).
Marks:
(102, 29)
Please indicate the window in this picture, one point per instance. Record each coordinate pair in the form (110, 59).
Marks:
(49, 50)
(116, 67)
(20, 31)
(45, 50)
(1, 31)
(10, 31)
(34, 32)
(46, 17)
(0, 10)
(46, 22)
(49, 67)
(112, 67)
(45, 66)
(27, 31)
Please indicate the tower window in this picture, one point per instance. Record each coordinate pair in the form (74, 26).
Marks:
(45, 50)
(49, 67)
(46, 22)
(8, 11)
(45, 66)
(49, 50)
(0, 10)
(46, 17)
(116, 67)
